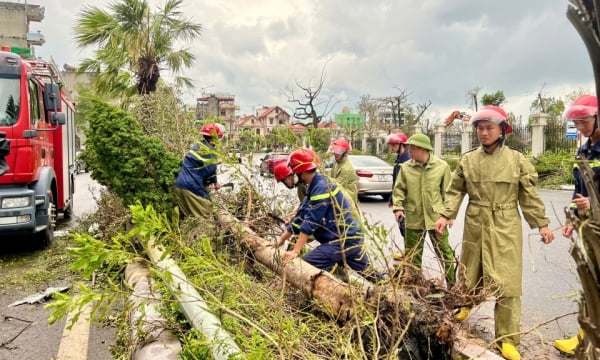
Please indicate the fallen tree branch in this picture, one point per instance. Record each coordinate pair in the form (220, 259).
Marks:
(340, 298)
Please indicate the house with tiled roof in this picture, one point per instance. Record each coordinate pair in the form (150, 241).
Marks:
(266, 119)
(297, 128)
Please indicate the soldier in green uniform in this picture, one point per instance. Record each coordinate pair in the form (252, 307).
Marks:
(342, 170)
(498, 180)
(418, 195)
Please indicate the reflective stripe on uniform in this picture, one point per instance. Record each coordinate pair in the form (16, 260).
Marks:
(592, 163)
(206, 161)
(325, 195)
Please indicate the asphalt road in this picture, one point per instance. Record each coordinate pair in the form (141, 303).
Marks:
(24, 330)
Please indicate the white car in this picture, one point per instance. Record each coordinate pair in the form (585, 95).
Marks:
(79, 165)
(374, 175)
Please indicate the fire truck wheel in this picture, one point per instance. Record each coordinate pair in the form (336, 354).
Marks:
(44, 238)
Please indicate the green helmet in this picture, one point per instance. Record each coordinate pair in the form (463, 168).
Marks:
(420, 140)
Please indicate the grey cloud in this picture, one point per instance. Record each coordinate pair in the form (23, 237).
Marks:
(437, 49)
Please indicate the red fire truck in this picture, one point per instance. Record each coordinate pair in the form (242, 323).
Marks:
(37, 149)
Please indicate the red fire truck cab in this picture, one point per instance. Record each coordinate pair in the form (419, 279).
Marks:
(37, 165)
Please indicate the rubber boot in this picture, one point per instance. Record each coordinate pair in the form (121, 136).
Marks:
(460, 314)
(510, 352)
(398, 256)
(568, 346)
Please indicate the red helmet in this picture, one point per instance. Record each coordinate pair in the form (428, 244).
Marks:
(303, 160)
(340, 146)
(211, 130)
(282, 170)
(397, 138)
(584, 106)
(492, 113)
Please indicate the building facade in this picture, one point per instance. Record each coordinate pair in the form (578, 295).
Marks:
(15, 19)
(222, 106)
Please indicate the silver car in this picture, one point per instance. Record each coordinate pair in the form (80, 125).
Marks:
(374, 175)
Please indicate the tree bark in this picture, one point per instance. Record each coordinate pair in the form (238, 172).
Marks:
(340, 297)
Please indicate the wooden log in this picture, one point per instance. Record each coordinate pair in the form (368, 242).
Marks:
(339, 297)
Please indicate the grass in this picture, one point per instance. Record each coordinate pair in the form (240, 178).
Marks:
(29, 270)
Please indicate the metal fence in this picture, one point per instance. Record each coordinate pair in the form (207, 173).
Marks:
(519, 138)
(556, 140)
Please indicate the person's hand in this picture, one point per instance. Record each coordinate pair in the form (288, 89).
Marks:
(450, 222)
(547, 235)
(218, 186)
(441, 224)
(567, 231)
(288, 256)
(399, 214)
(581, 202)
(291, 217)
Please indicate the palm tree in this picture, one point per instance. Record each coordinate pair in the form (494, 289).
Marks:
(134, 44)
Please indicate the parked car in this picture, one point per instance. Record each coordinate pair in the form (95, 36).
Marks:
(374, 175)
(267, 163)
(235, 154)
(79, 164)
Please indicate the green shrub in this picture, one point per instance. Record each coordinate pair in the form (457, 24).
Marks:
(452, 161)
(554, 169)
(134, 166)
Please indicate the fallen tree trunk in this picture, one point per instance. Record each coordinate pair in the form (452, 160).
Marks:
(340, 297)
(149, 332)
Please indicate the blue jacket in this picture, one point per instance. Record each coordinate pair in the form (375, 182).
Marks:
(326, 214)
(199, 169)
(592, 154)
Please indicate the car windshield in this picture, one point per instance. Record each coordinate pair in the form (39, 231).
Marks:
(10, 100)
(367, 161)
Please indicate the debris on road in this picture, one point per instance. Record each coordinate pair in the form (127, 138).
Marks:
(40, 297)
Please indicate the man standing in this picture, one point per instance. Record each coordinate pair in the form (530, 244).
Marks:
(397, 143)
(584, 114)
(326, 213)
(419, 193)
(498, 180)
(342, 170)
(199, 171)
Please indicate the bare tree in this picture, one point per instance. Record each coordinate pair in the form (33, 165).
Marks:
(472, 97)
(368, 106)
(311, 103)
(419, 114)
(395, 105)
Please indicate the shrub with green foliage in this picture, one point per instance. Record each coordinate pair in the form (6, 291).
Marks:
(554, 169)
(134, 166)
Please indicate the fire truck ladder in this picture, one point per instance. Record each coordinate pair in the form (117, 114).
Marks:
(48, 70)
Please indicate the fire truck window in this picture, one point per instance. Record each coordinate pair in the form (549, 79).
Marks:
(34, 104)
(9, 101)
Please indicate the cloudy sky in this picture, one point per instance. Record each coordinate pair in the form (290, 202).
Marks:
(437, 50)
